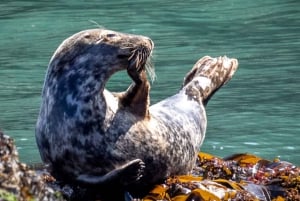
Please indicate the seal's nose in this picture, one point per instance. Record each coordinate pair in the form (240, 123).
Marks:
(151, 43)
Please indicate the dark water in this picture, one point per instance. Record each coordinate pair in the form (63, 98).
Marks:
(257, 112)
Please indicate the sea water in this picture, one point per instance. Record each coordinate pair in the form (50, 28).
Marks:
(257, 112)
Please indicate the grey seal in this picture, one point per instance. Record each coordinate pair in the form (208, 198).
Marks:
(93, 136)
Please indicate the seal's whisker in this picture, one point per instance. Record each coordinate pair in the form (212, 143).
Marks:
(144, 61)
(132, 55)
(150, 70)
(126, 47)
(97, 25)
(142, 57)
(99, 41)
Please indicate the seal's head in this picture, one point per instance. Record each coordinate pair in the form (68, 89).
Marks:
(101, 48)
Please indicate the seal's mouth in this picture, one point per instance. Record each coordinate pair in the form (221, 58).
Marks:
(140, 59)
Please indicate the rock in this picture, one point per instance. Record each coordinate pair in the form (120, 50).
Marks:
(17, 180)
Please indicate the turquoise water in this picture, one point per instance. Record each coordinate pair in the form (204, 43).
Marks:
(257, 112)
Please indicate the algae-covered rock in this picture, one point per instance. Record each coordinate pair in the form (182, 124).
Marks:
(19, 182)
(7, 196)
(241, 177)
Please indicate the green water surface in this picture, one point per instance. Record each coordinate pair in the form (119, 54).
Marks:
(257, 112)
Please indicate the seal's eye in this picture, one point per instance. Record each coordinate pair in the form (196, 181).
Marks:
(110, 35)
(87, 35)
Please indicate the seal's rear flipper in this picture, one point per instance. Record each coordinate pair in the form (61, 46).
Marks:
(207, 76)
(129, 173)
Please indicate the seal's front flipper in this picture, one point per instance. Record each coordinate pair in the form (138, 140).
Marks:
(131, 172)
(136, 98)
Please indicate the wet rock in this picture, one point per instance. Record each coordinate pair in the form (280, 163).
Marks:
(18, 182)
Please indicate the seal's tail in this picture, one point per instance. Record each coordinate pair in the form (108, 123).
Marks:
(207, 76)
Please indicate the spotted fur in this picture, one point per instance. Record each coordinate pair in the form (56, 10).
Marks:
(92, 136)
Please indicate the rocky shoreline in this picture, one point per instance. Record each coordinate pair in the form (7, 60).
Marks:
(17, 180)
(238, 177)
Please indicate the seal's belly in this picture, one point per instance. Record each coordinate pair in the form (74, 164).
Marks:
(167, 141)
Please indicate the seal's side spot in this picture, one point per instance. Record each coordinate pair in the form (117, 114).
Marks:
(92, 136)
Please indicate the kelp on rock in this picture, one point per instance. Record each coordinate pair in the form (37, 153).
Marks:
(237, 177)
(242, 177)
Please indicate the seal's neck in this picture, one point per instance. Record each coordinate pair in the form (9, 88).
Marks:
(76, 91)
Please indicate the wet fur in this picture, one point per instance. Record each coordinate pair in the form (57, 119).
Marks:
(94, 137)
